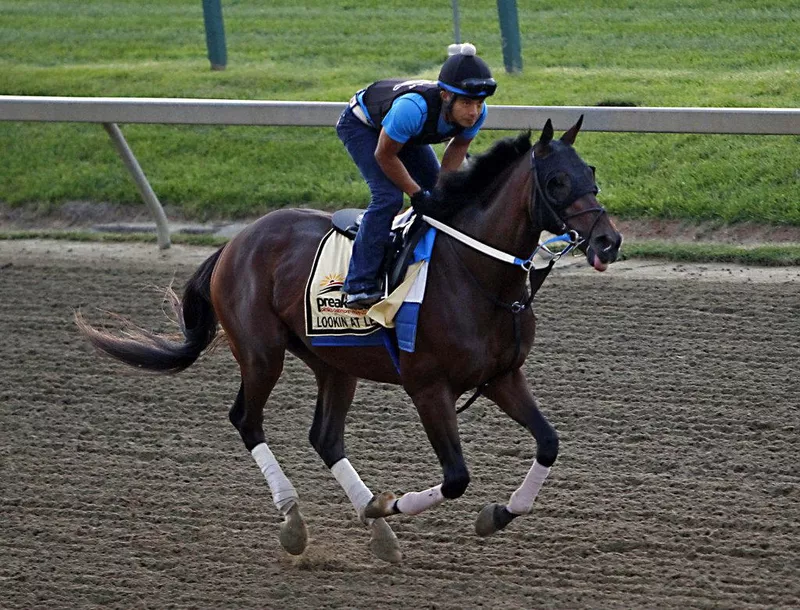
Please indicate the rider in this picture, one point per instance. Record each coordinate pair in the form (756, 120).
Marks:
(387, 129)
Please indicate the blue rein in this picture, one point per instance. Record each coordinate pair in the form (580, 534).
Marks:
(572, 239)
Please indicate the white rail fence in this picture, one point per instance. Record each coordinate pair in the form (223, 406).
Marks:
(110, 111)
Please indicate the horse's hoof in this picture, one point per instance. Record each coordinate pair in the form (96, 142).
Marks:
(383, 543)
(381, 505)
(294, 534)
(492, 518)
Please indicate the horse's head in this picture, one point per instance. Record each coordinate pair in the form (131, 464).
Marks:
(564, 197)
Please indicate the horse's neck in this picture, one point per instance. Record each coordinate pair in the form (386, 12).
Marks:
(504, 223)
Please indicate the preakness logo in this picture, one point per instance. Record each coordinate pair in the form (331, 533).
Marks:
(331, 283)
(332, 305)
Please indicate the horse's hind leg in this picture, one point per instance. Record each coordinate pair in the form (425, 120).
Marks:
(336, 391)
(259, 376)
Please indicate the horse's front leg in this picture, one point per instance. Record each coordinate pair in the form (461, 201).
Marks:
(513, 395)
(436, 408)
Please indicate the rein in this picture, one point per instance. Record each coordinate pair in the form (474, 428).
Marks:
(571, 237)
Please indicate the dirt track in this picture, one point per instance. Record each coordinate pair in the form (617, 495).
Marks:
(674, 388)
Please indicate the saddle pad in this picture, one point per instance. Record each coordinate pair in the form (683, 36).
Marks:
(330, 322)
(347, 221)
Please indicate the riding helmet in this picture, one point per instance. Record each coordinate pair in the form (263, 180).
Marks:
(464, 73)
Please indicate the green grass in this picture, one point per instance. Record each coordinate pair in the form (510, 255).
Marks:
(763, 256)
(671, 53)
(188, 239)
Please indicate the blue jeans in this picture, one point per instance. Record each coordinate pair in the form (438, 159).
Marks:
(361, 140)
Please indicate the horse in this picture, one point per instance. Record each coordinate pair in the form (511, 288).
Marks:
(253, 287)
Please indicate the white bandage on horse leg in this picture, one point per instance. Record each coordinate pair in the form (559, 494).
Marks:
(521, 502)
(352, 484)
(283, 492)
(414, 502)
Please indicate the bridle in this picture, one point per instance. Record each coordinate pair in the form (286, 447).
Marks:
(536, 216)
(536, 212)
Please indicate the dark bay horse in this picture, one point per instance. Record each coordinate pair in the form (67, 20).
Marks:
(254, 288)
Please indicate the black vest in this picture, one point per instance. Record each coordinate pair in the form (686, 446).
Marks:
(380, 95)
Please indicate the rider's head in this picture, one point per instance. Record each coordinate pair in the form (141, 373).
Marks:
(465, 82)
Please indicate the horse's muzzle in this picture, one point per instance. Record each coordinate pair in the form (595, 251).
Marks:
(603, 249)
(590, 220)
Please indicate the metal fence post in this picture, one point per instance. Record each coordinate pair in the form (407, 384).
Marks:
(162, 227)
(509, 31)
(456, 23)
(215, 34)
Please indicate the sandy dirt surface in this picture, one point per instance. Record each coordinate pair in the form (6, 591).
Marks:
(674, 389)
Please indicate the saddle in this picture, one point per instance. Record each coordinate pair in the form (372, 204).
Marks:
(407, 230)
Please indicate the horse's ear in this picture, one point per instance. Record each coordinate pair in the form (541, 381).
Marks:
(569, 136)
(547, 133)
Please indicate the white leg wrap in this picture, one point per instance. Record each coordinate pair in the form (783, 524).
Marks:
(521, 502)
(413, 503)
(352, 484)
(283, 492)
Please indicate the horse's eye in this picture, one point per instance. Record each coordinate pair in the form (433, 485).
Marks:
(558, 187)
(592, 171)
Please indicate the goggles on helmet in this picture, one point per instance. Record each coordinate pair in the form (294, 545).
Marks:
(472, 87)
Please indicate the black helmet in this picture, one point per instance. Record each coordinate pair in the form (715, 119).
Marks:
(467, 74)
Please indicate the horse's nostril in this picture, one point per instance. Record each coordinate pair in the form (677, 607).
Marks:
(606, 247)
(604, 244)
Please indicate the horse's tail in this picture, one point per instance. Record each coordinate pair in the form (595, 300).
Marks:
(146, 350)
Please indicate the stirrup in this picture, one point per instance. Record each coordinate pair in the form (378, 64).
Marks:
(363, 300)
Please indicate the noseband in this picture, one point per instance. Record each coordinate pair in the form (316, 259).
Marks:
(552, 208)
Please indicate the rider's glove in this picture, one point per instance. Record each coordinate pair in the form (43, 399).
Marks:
(422, 201)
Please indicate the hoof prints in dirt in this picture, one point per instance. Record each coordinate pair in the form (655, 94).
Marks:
(676, 402)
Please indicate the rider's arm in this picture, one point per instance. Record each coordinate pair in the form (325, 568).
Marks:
(386, 156)
(455, 153)
(403, 121)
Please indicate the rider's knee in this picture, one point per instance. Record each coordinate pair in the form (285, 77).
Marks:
(385, 198)
(547, 448)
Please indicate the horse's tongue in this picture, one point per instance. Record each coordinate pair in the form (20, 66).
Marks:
(597, 264)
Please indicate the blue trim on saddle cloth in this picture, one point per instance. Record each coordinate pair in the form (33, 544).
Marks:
(406, 318)
(380, 338)
(405, 324)
(374, 339)
(391, 347)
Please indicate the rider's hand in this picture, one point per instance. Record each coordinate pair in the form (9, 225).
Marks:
(422, 201)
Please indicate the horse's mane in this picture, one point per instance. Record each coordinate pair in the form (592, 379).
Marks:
(469, 186)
